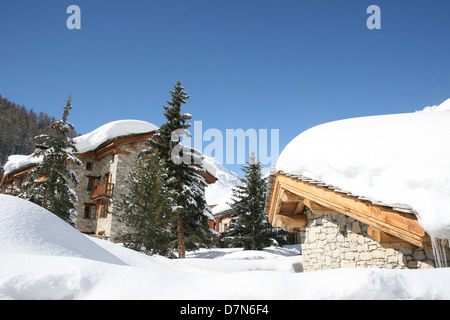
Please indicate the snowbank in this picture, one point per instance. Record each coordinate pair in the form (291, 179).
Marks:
(41, 257)
(399, 158)
(27, 228)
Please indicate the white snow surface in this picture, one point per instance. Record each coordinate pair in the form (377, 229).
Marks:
(444, 106)
(87, 142)
(398, 158)
(17, 162)
(111, 130)
(220, 192)
(41, 257)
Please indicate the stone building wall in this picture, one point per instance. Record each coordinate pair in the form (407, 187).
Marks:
(119, 165)
(339, 241)
(123, 164)
(99, 169)
(82, 224)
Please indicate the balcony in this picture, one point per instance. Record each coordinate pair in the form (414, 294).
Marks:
(104, 190)
(9, 190)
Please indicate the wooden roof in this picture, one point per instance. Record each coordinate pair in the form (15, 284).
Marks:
(393, 226)
(110, 146)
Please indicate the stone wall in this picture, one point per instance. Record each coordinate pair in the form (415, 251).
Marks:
(119, 165)
(123, 164)
(339, 241)
(99, 169)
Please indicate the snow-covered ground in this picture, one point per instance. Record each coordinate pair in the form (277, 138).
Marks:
(42, 257)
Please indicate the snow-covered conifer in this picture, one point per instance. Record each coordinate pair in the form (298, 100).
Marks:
(49, 182)
(145, 208)
(249, 226)
(189, 211)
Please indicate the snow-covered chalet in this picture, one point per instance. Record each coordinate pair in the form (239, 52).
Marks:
(368, 192)
(107, 154)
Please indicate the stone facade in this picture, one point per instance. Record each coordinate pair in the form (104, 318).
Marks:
(339, 241)
(118, 165)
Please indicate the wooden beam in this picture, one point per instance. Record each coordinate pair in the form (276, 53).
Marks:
(118, 151)
(318, 209)
(388, 241)
(274, 202)
(287, 196)
(299, 221)
(104, 149)
(299, 208)
(401, 225)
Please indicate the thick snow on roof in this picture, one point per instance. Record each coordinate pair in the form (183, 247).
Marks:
(111, 130)
(399, 158)
(223, 203)
(89, 141)
(17, 162)
(444, 106)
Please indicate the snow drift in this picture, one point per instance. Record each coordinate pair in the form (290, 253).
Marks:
(30, 229)
(41, 257)
(395, 159)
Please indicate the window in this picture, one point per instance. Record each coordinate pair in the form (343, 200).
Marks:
(90, 184)
(89, 166)
(89, 208)
(102, 209)
(87, 212)
(107, 178)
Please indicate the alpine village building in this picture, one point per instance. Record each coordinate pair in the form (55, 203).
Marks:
(107, 154)
(311, 190)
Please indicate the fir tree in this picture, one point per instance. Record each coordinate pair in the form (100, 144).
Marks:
(145, 207)
(249, 226)
(18, 126)
(48, 184)
(189, 209)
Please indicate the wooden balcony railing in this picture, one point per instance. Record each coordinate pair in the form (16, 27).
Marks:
(102, 190)
(8, 191)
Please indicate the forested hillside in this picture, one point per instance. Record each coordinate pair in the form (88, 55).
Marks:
(17, 128)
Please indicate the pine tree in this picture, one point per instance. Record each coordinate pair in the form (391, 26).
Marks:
(144, 208)
(18, 126)
(48, 184)
(189, 209)
(249, 226)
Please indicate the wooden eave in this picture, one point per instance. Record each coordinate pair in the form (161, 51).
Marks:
(109, 147)
(113, 146)
(209, 178)
(391, 228)
(8, 179)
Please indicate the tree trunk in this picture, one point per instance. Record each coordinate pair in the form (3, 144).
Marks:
(180, 236)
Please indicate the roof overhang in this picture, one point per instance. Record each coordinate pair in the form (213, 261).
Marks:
(109, 147)
(391, 228)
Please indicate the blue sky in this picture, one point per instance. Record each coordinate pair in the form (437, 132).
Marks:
(262, 64)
